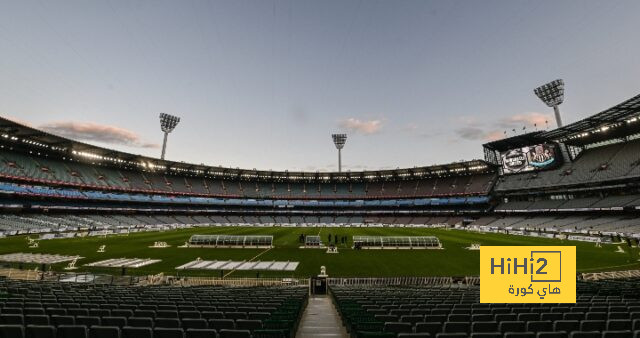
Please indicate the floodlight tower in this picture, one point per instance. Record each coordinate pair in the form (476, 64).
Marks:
(167, 124)
(339, 140)
(552, 94)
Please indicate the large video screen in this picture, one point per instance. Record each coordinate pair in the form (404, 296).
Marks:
(538, 157)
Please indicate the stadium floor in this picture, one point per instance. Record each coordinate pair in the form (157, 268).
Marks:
(453, 260)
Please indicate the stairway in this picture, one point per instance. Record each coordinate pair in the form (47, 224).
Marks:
(321, 320)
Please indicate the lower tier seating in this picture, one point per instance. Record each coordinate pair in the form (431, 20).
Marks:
(608, 309)
(70, 310)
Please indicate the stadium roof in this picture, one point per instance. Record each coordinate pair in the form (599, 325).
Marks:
(17, 135)
(618, 121)
(515, 141)
(620, 115)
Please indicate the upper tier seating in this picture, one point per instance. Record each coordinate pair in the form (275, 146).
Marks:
(616, 161)
(38, 223)
(20, 166)
(575, 203)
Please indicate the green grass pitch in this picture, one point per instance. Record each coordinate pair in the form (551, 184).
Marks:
(453, 260)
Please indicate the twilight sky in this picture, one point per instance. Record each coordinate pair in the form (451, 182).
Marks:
(262, 84)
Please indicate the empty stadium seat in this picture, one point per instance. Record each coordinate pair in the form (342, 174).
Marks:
(167, 323)
(247, 324)
(87, 321)
(161, 332)
(201, 333)
(11, 331)
(114, 321)
(11, 319)
(72, 331)
(222, 324)
(224, 333)
(136, 332)
(104, 332)
(36, 320)
(42, 331)
(196, 323)
(140, 322)
(585, 334)
(398, 327)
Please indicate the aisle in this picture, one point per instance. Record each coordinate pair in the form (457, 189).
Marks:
(320, 319)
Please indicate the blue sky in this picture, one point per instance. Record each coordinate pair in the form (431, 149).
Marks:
(262, 84)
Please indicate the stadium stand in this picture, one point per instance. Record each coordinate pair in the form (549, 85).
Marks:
(37, 223)
(602, 224)
(45, 180)
(592, 187)
(31, 169)
(52, 309)
(600, 164)
(607, 308)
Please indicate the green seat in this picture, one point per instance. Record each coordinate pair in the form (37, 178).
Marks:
(369, 326)
(368, 334)
(270, 334)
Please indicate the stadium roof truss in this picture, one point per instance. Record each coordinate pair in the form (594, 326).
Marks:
(15, 135)
(618, 121)
(627, 112)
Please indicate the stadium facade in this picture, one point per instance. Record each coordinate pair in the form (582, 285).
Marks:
(580, 178)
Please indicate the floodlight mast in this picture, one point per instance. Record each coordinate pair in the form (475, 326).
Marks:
(552, 94)
(167, 124)
(339, 140)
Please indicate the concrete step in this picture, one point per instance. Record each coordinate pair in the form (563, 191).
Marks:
(320, 319)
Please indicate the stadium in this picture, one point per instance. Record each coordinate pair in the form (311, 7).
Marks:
(129, 220)
(106, 234)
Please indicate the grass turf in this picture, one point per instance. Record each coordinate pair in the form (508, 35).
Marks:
(454, 260)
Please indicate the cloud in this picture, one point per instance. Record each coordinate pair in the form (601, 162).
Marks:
(326, 167)
(410, 127)
(479, 134)
(491, 131)
(20, 121)
(494, 135)
(88, 131)
(419, 130)
(359, 126)
(471, 133)
(527, 119)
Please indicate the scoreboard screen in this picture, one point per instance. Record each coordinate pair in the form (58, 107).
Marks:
(530, 158)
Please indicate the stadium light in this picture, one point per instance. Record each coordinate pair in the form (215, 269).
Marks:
(552, 94)
(339, 140)
(167, 124)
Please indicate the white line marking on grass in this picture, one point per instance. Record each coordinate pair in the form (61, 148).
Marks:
(251, 260)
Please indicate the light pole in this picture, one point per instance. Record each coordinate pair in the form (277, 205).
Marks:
(339, 140)
(552, 94)
(167, 124)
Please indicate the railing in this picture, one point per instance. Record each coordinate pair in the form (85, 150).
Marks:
(89, 278)
(160, 279)
(92, 278)
(195, 281)
(371, 281)
(21, 274)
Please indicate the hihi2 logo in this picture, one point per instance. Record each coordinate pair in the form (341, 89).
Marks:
(527, 274)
